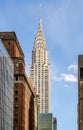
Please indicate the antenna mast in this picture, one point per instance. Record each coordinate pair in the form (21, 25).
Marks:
(40, 14)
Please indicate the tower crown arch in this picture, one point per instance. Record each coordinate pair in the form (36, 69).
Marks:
(40, 39)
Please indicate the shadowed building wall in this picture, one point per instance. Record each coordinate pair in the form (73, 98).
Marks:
(54, 123)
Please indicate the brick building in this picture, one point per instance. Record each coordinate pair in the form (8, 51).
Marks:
(80, 92)
(25, 108)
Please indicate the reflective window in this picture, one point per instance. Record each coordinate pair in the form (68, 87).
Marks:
(9, 43)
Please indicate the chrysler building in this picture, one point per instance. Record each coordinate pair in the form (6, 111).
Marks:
(40, 71)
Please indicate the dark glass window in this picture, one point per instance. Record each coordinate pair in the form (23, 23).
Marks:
(16, 120)
(16, 85)
(81, 73)
(16, 77)
(16, 99)
(16, 92)
(9, 43)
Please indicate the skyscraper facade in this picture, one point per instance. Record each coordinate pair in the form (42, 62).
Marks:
(45, 121)
(80, 92)
(40, 71)
(6, 89)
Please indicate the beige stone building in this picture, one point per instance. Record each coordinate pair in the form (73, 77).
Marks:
(40, 71)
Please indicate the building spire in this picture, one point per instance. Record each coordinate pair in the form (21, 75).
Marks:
(40, 15)
(40, 39)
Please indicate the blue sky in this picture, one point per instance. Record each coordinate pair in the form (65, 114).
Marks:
(63, 29)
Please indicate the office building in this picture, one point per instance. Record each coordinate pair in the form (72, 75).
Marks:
(80, 92)
(25, 113)
(40, 71)
(54, 123)
(6, 89)
(45, 121)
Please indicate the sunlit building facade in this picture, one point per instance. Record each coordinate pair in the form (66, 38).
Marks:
(6, 89)
(45, 121)
(80, 92)
(40, 71)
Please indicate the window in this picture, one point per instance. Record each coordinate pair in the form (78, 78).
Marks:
(16, 86)
(16, 99)
(16, 113)
(16, 120)
(9, 43)
(81, 73)
(16, 64)
(16, 106)
(16, 77)
(16, 92)
(8, 50)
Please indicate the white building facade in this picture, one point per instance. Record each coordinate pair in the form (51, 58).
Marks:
(40, 71)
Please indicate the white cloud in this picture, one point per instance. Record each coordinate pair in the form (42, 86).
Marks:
(66, 77)
(72, 67)
(69, 77)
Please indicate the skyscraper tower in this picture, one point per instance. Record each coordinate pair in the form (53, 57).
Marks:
(40, 71)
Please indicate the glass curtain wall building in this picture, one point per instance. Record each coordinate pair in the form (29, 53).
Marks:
(45, 121)
(6, 89)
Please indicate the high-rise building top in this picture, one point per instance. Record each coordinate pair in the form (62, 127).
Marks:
(12, 44)
(45, 121)
(40, 71)
(40, 37)
(54, 123)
